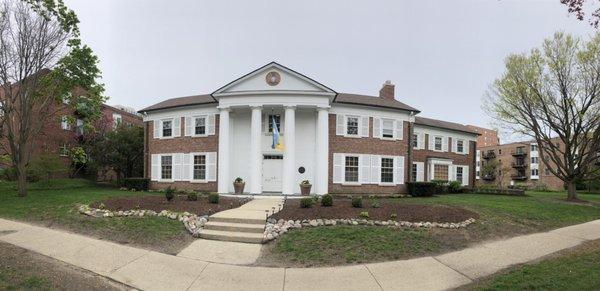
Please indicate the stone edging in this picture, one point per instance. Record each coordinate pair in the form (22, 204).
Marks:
(192, 222)
(274, 228)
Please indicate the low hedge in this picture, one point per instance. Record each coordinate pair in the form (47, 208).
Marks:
(422, 189)
(497, 191)
(139, 184)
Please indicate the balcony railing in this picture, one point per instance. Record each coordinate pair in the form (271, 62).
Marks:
(488, 155)
(518, 153)
(519, 177)
(518, 165)
(488, 177)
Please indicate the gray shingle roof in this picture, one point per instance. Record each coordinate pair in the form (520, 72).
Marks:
(345, 98)
(181, 101)
(443, 124)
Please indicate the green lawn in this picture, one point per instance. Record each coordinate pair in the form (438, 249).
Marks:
(53, 204)
(576, 270)
(500, 217)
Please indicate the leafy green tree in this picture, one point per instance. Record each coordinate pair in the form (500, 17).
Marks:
(121, 150)
(42, 60)
(552, 94)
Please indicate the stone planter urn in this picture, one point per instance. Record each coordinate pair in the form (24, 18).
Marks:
(238, 185)
(305, 188)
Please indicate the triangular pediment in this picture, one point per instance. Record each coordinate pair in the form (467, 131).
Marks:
(273, 78)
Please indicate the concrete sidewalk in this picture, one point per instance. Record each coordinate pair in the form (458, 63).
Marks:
(150, 270)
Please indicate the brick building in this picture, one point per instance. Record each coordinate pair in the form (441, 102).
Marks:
(515, 163)
(275, 127)
(487, 137)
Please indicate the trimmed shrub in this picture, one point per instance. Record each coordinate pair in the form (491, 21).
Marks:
(139, 184)
(455, 187)
(327, 200)
(306, 202)
(511, 192)
(213, 198)
(169, 193)
(364, 214)
(375, 204)
(393, 216)
(421, 189)
(357, 202)
(192, 196)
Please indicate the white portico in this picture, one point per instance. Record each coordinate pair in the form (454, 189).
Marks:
(249, 108)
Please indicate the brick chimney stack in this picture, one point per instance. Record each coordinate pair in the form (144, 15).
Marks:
(387, 91)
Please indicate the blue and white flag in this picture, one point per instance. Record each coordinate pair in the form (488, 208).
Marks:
(277, 143)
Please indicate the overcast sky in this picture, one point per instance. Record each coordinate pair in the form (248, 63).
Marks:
(441, 55)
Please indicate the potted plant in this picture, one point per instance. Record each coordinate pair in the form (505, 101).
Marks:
(238, 185)
(305, 187)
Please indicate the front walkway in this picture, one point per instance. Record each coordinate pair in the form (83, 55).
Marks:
(150, 270)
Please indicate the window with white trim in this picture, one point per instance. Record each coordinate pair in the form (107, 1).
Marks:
(351, 169)
(534, 160)
(117, 120)
(440, 172)
(352, 125)
(166, 167)
(387, 128)
(535, 172)
(167, 128)
(437, 143)
(387, 170)
(414, 172)
(63, 151)
(415, 140)
(534, 147)
(277, 119)
(199, 167)
(459, 174)
(200, 125)
(460, 146)
(64, 123)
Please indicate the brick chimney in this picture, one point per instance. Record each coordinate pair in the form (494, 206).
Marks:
(387, 91)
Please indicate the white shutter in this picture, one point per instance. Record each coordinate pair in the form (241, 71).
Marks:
(398, 129)
(431, 142)
(399, 170)
(176, 126)
(364, 126)
(420, 173)
(445, 143)
(211, 124)
(338, 168)
(466, 147)
(451, 173)
(376, 127)
(375, 169)
(177, 162)
(211, 166)
(188, 125)
(465, 179)
(186, 171)
(156, 124)
(421, 144)
(339, 124)
(155, 168)
(365, 169)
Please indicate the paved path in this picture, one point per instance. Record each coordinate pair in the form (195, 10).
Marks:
(150, 270)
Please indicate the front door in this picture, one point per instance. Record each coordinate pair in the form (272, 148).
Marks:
(272, 169)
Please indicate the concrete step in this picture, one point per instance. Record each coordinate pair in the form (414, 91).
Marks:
(245, 237)
(235, 227)
(243, 220)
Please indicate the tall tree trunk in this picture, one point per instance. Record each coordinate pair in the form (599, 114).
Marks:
(22, 179)
(571, 191)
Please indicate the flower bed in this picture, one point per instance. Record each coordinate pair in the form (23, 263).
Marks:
(114, 207)
(378, 213)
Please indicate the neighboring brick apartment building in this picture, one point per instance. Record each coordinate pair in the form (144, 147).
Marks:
(518, 163)
(487, 137)
(341, 143)
(59, 135)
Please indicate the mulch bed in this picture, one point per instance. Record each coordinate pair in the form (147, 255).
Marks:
(342, 208)
(179, 204)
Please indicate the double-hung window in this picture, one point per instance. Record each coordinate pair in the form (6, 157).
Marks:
(166, 167)
(63, 151)
(351, 169)
(64, 123)
(534, 160)
(535, 172)
(167, 128)
(200, 125)
(460, 146)
(414, 172)
(274, 118)
(352, 125)
(438, 143)
(459, 174)
(387, 128)
(534, 147)
(199, 167)
(415, 141)
(387, 170)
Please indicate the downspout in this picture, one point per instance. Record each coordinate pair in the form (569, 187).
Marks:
(409, 159)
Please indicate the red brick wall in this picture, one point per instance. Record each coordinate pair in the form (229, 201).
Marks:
(457, 159)
(365, 145)
(182, 144)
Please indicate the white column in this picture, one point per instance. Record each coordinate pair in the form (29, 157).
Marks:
(255, 151)
(224, 179)
(289, 153)
(322, 152)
